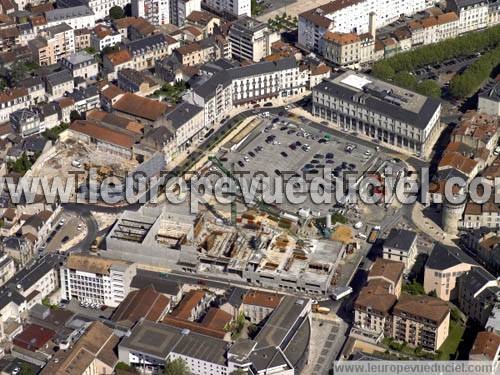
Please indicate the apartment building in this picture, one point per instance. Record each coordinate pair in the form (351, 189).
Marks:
(478, 215)
(373, 307)
(7, 268)
(104, 36)
(401, 245)
(157, 12)
(181, 9)
(12, 100)
(38, 280)
(59, 83)
(345, 49)
(77, 17)
(478, 292)
(82, 38)
(27, 122)
(206, 50)
(421, 321)
(81, 64)
(251, 39)
(203, 20)
(100, 8)
(115, 61)
(350, 16)
(35, 87)
(235, 8)
(93, 353)
(147, 50)
(95, 279)
(489, 99)
(473, 14)
(214, 96)
(258, 305)
(187, 122)
(136, 82)
(229, 87)
(52, 44)
(379, 110)
(444, 265)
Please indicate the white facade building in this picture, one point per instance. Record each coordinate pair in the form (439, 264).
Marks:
(78, 17)
(96, 280)
(81, 64)
(251, 39)
(181, 9)
(156, 12)
(235, 8)
(260, 82)
(473, 14)
(351, 16)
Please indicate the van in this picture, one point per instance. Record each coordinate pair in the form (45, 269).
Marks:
(497, 151)
(76, 164)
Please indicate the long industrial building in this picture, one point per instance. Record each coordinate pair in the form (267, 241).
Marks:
(379, 110)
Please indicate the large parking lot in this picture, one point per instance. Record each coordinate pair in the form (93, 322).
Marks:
(282, 148)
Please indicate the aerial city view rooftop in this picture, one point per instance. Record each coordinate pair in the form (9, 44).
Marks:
(256, 187)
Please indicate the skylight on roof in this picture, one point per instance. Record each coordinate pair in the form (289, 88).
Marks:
(355, 81)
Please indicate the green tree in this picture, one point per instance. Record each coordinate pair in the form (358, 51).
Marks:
(21, 165)
(26, 369)
(176, 367)
(239, 371)
(18, 71)
(405, 79)
(467, 83)
(414, 288)
(74, 115)
(430, 88)
(383, 71)
(116, 12)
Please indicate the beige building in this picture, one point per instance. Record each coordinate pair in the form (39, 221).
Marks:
(251, 39)
(115, 61)
(201, 52)
(147, 50)
(373, 307)
(444, 265)
(82, 38)
(346, 49)
(401, 245)
(94, 353)
(259, 305)
(421, 321)
(53, 44)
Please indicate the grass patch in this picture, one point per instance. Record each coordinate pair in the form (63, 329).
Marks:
(414, 288)
(448, 349)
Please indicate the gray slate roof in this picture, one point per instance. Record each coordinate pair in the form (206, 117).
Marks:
(443, 257)
(419, 120)
(182, 113)
(400, 239)
(66, 13)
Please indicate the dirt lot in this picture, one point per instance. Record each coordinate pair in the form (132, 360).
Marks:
(58, 163)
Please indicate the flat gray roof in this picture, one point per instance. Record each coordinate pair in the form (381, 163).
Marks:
(381, 97)
(281, 321)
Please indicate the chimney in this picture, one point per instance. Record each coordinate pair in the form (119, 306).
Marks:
(372, 24)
